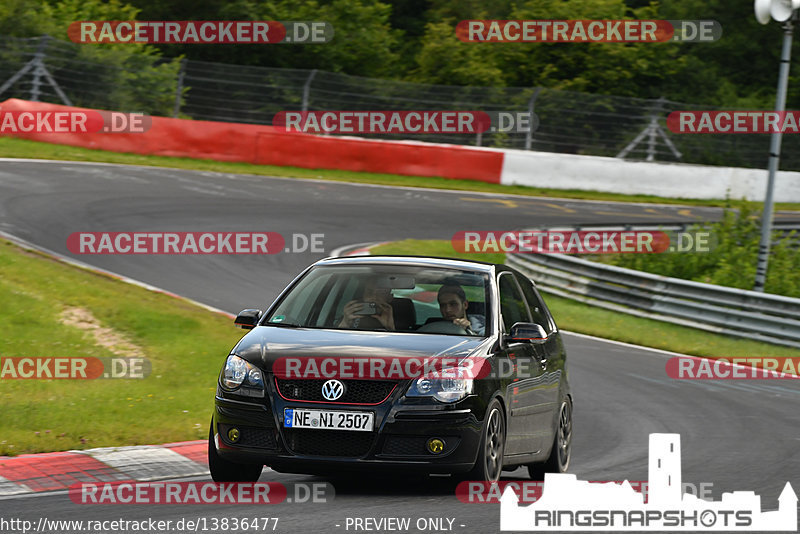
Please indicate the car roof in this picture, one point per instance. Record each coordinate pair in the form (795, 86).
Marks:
(422, 261)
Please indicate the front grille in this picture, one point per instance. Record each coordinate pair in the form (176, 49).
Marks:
(355, 391)
(405, 446)
(328, 442)
(257, 417)
(415, 446)
(250, 436)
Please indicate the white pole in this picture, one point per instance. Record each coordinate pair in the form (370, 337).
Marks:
(774, 160)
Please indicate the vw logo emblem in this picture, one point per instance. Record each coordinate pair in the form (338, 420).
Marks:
(332, 390)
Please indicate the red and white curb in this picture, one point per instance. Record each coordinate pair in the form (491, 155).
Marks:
(33, 473)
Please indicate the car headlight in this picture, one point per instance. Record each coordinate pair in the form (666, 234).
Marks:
(441, 389)
(241, 376)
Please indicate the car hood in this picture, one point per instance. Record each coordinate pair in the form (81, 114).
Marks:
(263, 345)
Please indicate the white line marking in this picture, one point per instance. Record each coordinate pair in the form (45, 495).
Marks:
(398, 187)
(81, 265)
(631, 345)
(8, 487)
(147, 462)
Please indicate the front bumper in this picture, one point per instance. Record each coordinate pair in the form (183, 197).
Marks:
(402, 429)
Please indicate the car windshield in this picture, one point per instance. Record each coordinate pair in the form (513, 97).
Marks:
(422, 300)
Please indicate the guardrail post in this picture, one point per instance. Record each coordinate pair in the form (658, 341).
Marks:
(529, 133)
(179, 88)
(38, 59)
(307, 90)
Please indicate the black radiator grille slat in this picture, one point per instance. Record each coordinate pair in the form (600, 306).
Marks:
(405, 446)
(258, 417)
(328, 442)
(355, 391)
(415, 445)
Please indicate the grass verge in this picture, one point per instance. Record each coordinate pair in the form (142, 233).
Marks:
(185, 345)
(585, 319)
(22, 148)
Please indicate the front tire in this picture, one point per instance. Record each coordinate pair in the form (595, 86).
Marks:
(560, 454)
(489, 464)
(223, 470)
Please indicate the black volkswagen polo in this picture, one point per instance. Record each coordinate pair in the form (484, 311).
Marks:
(382, 362)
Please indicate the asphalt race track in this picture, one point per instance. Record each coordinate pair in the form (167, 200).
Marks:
(736, 435)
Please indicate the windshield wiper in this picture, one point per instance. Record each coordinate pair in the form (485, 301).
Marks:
(286, 325)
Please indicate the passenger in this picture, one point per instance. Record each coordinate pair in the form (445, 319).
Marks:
(382, 297)
(453, 304)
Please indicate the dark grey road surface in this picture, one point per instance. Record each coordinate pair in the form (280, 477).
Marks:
(736, 435)
(44, 202)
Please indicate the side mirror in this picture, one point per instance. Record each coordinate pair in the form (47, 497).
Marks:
(527, 333)
(247, 319)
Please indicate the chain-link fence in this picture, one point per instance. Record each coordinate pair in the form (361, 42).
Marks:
(119, 78)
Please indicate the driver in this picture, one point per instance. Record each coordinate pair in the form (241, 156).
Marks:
(382, 298)
(453, 305)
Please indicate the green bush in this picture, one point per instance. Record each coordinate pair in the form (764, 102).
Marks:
(116, 76)
(732, 261)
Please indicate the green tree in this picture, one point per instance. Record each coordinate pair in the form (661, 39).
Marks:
(121, 76)
(363, 44)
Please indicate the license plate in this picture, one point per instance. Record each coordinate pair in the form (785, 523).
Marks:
(328, 420)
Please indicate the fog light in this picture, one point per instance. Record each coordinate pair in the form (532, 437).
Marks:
(233, 435)
(435, 446)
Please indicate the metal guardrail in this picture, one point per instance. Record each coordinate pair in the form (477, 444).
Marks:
(781, 229)
(724, 310)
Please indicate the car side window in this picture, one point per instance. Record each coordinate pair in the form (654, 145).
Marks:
(512, 304)
(535, 304)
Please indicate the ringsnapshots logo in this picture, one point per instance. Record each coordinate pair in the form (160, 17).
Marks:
(569, 504)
